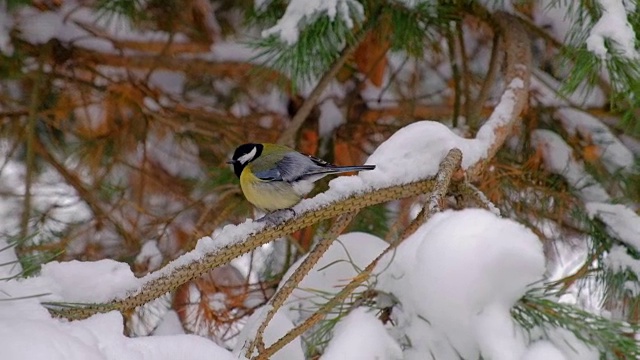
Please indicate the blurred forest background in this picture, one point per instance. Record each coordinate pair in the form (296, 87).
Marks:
(117, 117)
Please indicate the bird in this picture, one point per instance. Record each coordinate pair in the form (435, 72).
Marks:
(275, 177)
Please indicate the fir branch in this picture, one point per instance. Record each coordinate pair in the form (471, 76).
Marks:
(318, 46)
(612, 339)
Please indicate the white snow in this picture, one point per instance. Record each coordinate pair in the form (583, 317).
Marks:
(99, 337)
(170, 325)
(298, 11)
(457, 278)
(27, 331)
(76, 280)
(361, 336)
(613, 25)
(622, 222)
(277, 328)
(619, 260)
(150, 255)
(543, 350)
(344, 260)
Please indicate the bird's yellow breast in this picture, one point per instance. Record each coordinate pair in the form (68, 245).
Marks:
(267, 195)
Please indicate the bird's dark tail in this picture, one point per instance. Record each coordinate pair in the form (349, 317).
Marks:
(344, 169)
(355, 168)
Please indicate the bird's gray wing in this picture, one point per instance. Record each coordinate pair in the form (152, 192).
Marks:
(296, 166)
(272, 174)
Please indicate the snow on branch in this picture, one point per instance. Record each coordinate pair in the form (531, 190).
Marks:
(613, 25)
(495, 131)
(300, 11)
(622, 222)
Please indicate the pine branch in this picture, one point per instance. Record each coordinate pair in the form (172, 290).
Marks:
(612, 339)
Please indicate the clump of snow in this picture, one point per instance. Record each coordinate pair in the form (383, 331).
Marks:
(277, 328)
(621, 221)
(100, 337)
(456, 279)
(415, 152)
(27, 330)
(74, 282)
(178, 156)
(361, 336)
(613, 25)
(77, 280)
(543, 350)
(568, 344)
(344, 260)
(299, 11)
(615, 154)
(40, 26)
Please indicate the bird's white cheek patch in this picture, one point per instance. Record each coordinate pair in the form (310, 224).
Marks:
(247, 157)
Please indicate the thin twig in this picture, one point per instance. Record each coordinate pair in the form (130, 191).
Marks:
(455, 70)
(30, 131)
(466, 75)
(489, 80)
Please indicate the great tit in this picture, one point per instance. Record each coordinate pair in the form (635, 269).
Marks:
(275, 177)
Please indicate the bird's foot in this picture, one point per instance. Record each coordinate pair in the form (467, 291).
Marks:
(278, 217)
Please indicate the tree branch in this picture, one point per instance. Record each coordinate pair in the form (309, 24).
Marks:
(515, 96)
(288, 137)
(168, 279)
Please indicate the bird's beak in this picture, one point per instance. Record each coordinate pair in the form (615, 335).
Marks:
(231, 162)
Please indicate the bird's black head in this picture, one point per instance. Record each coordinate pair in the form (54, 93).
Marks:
(243, 155)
